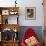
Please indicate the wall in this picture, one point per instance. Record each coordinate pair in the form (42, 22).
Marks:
(37, 24)
(39, 13)
(27, 3)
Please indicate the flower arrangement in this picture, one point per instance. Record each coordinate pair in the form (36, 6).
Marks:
(32, 41)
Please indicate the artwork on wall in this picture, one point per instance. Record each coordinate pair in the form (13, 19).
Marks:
(0, 19)
(30, 13)
(0, 36)
(5, 12)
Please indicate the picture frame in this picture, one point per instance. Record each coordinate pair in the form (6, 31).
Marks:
(0, 19)
(0, 36)
(5, 12)
(13, 12)
(30, 13)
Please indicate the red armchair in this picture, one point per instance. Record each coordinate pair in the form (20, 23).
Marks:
(30, 34)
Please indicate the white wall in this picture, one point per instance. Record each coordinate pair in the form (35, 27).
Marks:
(27, 3)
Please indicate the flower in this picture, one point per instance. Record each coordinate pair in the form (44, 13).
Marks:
(31, 41)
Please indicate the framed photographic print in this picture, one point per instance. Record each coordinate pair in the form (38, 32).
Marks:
(0, 19)
(0, 36)
(5, 12)
(30, 13)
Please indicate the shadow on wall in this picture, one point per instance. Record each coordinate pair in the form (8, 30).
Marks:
(37, 29)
